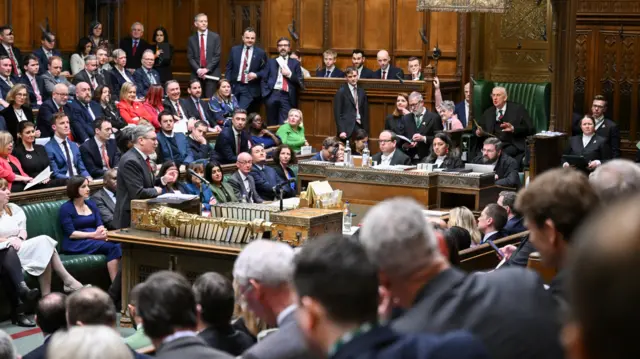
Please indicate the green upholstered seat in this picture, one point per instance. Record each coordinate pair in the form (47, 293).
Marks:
(535, 97)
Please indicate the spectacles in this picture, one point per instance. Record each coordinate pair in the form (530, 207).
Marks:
(151, 138)
(385, 141)
(62, 94)
(245, 162)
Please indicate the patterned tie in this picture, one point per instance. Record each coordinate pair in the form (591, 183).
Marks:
(500, 115)
(245, 63)
(355, 100)
(418, 120)
(134, 48)
(178, 112)
(16, 70)
(105, 156)
(202, 116)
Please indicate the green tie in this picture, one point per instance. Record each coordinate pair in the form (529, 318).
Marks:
(418, 120)
(499, 115)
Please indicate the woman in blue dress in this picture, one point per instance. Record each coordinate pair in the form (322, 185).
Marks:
(260, 134)
(194, 186)
(223, 103)
(82, 226)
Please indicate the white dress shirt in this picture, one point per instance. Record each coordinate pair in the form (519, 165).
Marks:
(111, 194)
(439, 160)
(586, 139)
(484, 239)
(504, 111)
(100, 144)
(385, 160)
(176, 106)
(242, 57)
(599, 122)
(64, 152)
(245, 181)
(123, 73)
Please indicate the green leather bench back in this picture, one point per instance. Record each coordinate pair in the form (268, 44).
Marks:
(536, 98)
(43, 218)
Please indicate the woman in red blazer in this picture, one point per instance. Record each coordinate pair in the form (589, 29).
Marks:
(10, 168)
(133, 111)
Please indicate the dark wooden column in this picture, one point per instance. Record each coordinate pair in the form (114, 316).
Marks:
(562, 46)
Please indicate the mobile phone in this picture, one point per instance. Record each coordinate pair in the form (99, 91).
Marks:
(495, 248)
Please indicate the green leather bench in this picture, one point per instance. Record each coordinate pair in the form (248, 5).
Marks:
(42, 218)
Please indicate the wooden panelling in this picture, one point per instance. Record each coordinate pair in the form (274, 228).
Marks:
(345, 29)
(443, 32)
(280, 15)
(408, 22)
(311, 24)
(377, 25)
(21, 20)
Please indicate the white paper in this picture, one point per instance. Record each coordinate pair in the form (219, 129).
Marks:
(404, 138)
(42, 141)
(305, 150)
(283, 63)
(178, 196)
(180, 126)
(209, 77)
(45, 174)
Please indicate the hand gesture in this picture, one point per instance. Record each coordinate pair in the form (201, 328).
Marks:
(479, 132)
(38, 133)
(252, 76)
(417, 138)
(343, 135)
(286, 73)
(16, 243)
(507, 251)
(170, 176)
(405, 111)
(506, 127)
(436, 82)
(213, 201)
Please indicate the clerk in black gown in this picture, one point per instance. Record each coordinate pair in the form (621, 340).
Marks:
(33, 157)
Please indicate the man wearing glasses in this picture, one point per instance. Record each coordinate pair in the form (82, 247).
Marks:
(47, 51)
(136, 178)
(604, 127)
(420, 126)
(388, 156)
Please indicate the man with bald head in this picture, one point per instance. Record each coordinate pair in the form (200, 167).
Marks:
(386, 71)
(615, 180)
(242, 183)
(59, 102)
(85, 110)
(507, 120)
(50, 317)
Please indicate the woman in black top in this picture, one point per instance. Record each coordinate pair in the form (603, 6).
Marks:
(284, 157)
(33, 157)
(442, 153)
(102, 95)
(392, 122)
(18, 111)
(163, 53)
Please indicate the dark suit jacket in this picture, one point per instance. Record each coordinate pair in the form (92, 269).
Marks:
(168, 106)
(597, 148)
(238, 188)
(367, 73)
(528, 327)
(516, 115)
(520, 258)
(166, 154)
(142, 81)
(399, 158)
(384, 343)
(507, 170)
(16, 53)
(4, 86)
(344, 110)
(287, 342)
(514, 225)
(494, 237)
(228, 340)
(449, 162)
(189, 106)
(197, 151)
(392, 74)
(45, 114)
(460, 110)
(269, 77)
(428, 127)
(81, 121)
(188, 347)
(234, 66)
(43, 60)
(92, 157)
(32, 95)
(58, 160)
(609, 130)
(226, 145)
(336, 73)
(83, 76)
(39, 352)
(212, 53)
(106, 206)
(117, 81)
(265, 180)
(134, 61)
(282, 177)
(12, 120)
(135, 181)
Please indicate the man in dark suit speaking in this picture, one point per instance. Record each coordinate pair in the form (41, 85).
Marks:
(439, 298)
(245, 63)
(203, 54)
(389, 155)
(350, 106)
(136, 179)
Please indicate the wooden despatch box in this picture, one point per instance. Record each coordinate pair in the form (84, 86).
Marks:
(141, 207)
(298, 225)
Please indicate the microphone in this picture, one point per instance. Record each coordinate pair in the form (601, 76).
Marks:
(193, 173)
(284, 183)
(400, 78)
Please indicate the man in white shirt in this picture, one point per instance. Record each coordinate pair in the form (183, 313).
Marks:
(35, 85)
(203, 54)
(7, 49)
(491, 221)
(388, 155)
(176, 106)
(242, 183)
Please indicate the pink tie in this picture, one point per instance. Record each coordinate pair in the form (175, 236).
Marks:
(36, 91)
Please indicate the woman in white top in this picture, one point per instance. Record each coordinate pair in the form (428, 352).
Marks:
(84, 48)
(38, 255)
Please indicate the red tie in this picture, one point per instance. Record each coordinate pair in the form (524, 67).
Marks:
(384, 75)
(135, 47)
(105, 156)
(14, 62)
(149, 164)
(244, 64)
(203, 58)
(200, 110)
(285, 84)
(60, 110)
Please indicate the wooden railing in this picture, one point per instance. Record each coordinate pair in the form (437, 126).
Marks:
(483, 257)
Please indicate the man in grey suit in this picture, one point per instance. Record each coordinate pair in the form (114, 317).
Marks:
(167, 306)
(508, 310)
(105, 198)
(263, 270)
(55, 76)
(244, 187)
(203, 53)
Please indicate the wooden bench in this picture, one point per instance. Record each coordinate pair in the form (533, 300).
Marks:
(483, 257)
(535, 264)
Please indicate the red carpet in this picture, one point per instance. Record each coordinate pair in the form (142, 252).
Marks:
(26, 333)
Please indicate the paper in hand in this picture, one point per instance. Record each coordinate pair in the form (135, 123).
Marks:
(404, 138)
(45, 174)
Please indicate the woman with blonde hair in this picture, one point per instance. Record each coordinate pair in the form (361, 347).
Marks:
(10, 167)
(292, 131)
(463, 217)
(132, 110)
(19, 111)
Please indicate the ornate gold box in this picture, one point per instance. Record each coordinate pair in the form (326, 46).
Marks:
(298, 225)
(140, 211)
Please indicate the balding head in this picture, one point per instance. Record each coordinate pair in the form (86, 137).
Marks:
(244, 163)
(603, 290)
(51, 313)
(615, 180)
(383, 59)
(83, 92)
(60, 94)
(90, 306)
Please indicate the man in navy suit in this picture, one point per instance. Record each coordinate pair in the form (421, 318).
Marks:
(100, 153)
(233, 140)
(386, 71)
(172, 146)
(119, 74)
(174, 104)
(198, 147)
(346, 326)
(85, 111)
(7, 78)
(350, 107)
(329, 150)
(195, 107)
(50, 317)
(358, 59)
(43, 53)
(59, 103)
(462, 108)
(90, 73)
(203, 54)
(515, 222)
(146, 75)
(244, 65)
(64, 155)
(134, 46)
(330, 70)
(265, 177)
(281, 81)
(491, 222)
(33, 82)
(8, 49)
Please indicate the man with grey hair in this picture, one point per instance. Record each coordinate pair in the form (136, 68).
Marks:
(92, 341)
(134, 45)
(90, 74)
(438, 298)
(508, 121)
(203, 54)
(119, 74)
(146, 76)
(616, 179)
(7, 350)
(262, 272)
(420, 126)
(449, 118)
(136, 179)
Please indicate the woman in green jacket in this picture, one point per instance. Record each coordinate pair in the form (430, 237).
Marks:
(222, 191)
(292, 132)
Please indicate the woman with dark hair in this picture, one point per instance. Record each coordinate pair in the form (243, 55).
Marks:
(361, 137)
(394, 119)
(459, 236)
(153, 104)
(82, 228)
(171, 187)
(194, 186)
(163, 54)
(222, 191)
(442, 153)
(102, 95)
(451, 241)
(260, 135)
(589, 145)
(223, 103)
(84, 48)
(284, 157)
(33, 157)
(95, 35)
